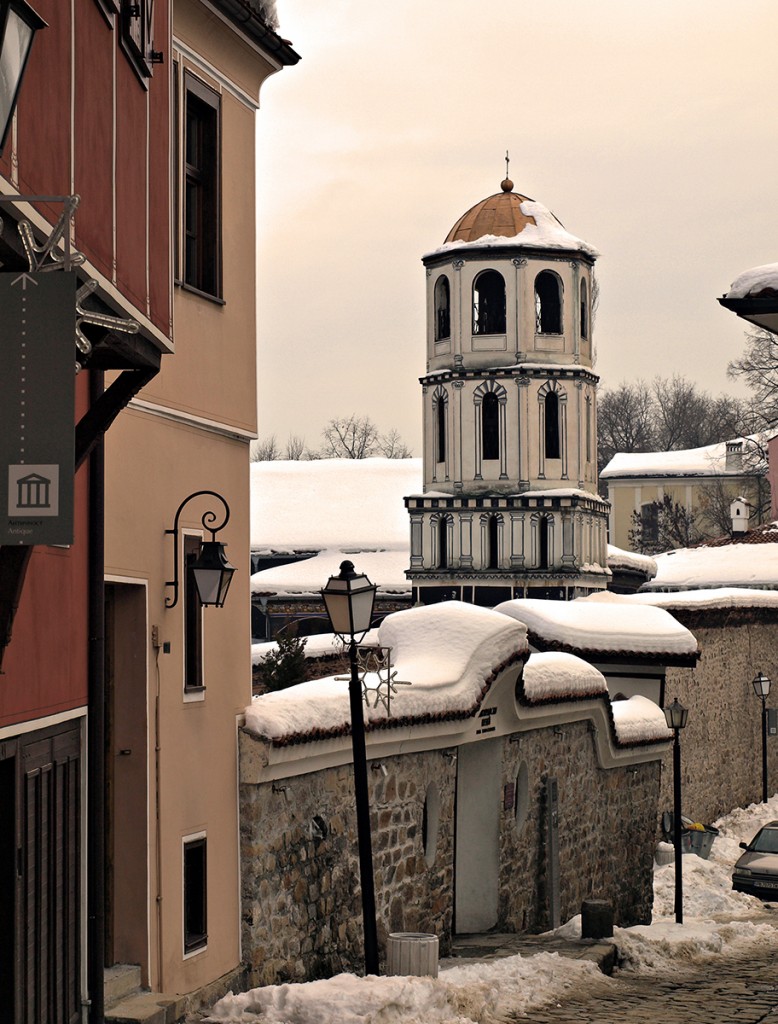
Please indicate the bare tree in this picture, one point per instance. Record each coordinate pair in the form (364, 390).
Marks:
(295, 448)
(265, 449)
(392, 446)
(357, 437)
(758, 366)
(663, 525)
(624, 421)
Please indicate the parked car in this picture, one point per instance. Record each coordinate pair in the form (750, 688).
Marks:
(756, 871)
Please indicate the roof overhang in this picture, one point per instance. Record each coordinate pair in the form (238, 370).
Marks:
(761, 311)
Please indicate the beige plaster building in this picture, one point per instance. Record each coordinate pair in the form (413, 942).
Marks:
(704, 481)
(179, 676)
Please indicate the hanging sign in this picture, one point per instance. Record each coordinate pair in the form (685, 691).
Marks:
(37, 395)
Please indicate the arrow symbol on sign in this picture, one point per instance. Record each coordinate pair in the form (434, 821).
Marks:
(24, 278)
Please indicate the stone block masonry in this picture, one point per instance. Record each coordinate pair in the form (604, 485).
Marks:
(721, 746)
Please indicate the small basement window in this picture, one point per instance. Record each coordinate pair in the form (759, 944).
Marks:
(195, 894)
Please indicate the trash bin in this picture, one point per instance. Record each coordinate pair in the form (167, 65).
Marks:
(694, 838)
(414, 953)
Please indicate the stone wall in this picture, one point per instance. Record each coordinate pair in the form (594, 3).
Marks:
(302, 915)
(301, 905)
(721, 746)
(606, 830)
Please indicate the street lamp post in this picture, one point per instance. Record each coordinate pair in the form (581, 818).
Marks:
(761, 684)
(349, 599)
(676, 716)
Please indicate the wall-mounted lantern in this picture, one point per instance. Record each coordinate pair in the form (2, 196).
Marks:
(18, 25)
(211, 570)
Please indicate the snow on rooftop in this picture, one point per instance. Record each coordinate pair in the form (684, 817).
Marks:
(731, 565)
(639, 720)
(754, 281)
(716, 597)
(385, 568)
(449, 652)
(710, 460)
(546, 233)
(585, 625)
(554, 675)
(331, 503)
(618, 558)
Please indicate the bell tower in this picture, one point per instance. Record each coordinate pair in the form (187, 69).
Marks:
(510, 505)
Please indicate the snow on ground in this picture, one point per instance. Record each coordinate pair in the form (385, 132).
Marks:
(715, 919)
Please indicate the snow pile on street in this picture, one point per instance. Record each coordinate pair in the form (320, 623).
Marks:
(331, 503)
(584, 625)
(478, 993)
(447, 651)
(553, 675)
(461, 995)
(754, 281)
(639, 720)
(731, 565)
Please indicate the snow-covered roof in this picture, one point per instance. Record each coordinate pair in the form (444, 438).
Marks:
(730, 565)
(639, 720)
(604, 628)
(555, 675)
(385, 568)
(331, 503)
(618, 558)
(545, 233)
(698, 600)
(710, 460)
(755, 282)
(449, 652)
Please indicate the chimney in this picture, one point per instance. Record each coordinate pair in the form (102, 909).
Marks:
(734, 460)
(738, 509)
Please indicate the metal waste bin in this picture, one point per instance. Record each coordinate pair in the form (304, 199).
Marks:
(413, 953)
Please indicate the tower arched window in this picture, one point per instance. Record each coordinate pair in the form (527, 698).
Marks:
(489, 303)
(543, 542)
(584, 312)
(440, 429)
(492, 557)
(548, 303)
(552, 447)
(490, 425)
(443, 552)
(442, 308)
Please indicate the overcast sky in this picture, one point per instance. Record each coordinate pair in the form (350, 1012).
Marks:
(648, 129)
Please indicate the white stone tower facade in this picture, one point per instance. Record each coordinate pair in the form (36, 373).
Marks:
(510, 505)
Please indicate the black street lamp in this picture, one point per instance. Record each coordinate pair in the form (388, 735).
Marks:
(676, 716)
(211, 570)
(761, 685)
(18, 25)
(349, 599)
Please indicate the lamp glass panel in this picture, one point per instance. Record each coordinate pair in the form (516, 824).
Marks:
(762, 685)
(362, 609)
(336, 602)
(208, 582)
(15, 47)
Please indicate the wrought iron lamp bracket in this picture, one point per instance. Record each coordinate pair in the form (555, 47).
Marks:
(208, 519)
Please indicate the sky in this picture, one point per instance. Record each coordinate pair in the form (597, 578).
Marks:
(646, 128)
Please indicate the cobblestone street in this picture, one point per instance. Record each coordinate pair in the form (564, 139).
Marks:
(725, 989)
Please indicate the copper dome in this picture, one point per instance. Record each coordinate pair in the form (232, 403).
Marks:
(498, 215)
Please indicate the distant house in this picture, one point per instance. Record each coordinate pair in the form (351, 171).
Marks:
(307, 517)
(702, 480)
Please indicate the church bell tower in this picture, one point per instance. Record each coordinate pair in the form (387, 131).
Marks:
(510, 505)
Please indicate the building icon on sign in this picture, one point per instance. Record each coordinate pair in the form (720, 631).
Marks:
(33, 491)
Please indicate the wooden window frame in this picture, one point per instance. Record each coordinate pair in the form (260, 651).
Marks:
(201, 229)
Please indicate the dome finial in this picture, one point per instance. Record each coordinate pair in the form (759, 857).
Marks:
(507, 184)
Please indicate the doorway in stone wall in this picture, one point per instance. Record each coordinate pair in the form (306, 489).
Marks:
(477, 856)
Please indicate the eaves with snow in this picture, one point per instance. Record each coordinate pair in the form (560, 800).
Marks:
(710, 460)
(618, 558)
(468, 681)
(740, 563)
(604, 630)
(753, 295)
